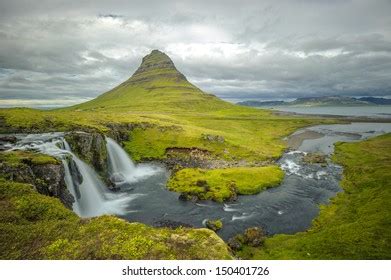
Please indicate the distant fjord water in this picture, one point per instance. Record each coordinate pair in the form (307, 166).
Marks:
(383, 111)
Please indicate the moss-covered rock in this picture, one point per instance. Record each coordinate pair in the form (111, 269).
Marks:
(44, 172)
(90, 147)
(315, 158)
(214, 225)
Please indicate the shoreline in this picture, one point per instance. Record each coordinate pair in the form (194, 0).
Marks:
(336, 117)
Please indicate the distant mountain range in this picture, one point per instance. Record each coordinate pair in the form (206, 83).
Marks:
(321, 101)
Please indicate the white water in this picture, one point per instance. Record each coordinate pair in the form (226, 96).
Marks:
(121, 164)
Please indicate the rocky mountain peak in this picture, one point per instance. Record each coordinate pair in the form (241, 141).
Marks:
(157, 64)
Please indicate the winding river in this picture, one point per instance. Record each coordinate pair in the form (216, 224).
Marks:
(143, 197)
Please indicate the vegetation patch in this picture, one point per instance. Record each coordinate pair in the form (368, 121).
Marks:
(356, 225)
(224, 184)
(17, 158)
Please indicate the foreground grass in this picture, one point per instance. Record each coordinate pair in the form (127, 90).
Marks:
(224, 184)
(34, 226)
(357, 223)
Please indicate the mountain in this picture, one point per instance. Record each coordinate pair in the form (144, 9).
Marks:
(321, 101)
(328, 101)
(157, 86)
(376, 100)
(252, 103)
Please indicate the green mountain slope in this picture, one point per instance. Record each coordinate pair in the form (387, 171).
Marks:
(156, 86)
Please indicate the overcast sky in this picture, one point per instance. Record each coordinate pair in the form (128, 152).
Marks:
(65, 52)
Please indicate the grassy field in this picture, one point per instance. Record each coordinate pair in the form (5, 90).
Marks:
(357, 223)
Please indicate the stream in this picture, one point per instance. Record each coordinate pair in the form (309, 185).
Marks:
(143, 197)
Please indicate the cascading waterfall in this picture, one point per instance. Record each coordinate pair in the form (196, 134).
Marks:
(122, 168)
(92, 197)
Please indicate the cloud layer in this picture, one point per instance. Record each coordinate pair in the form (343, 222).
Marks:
(59, 53)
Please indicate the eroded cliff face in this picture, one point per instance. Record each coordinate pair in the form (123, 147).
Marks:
(47, 178)
(90, 147)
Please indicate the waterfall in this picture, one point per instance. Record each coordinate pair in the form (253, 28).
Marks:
(95, 199)
(119, 162)
(92, 196)
(122, 168)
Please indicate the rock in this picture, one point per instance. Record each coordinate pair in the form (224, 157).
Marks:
(212, 138)
(236, 242)
(47, 179)
(117, 181)
(234, 192)
(315, 158)
(254, 236)
(214, 225)
(188, 197)
(8, 138)
(117, 178)
(91, 147)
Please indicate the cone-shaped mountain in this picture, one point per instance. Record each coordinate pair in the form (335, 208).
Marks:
(156, 86)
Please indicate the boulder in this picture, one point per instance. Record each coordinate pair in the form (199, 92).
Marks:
(8, 138)
(214, 225)
(236, 242)
(254, 236)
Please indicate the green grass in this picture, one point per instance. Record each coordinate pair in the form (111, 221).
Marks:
(16, 158)
(357, 223)
(224, 184)
(34, 226)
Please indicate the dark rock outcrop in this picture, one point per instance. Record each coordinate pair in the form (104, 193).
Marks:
(120, 132)
(254, 237)
(47, 179)
(90, 147)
